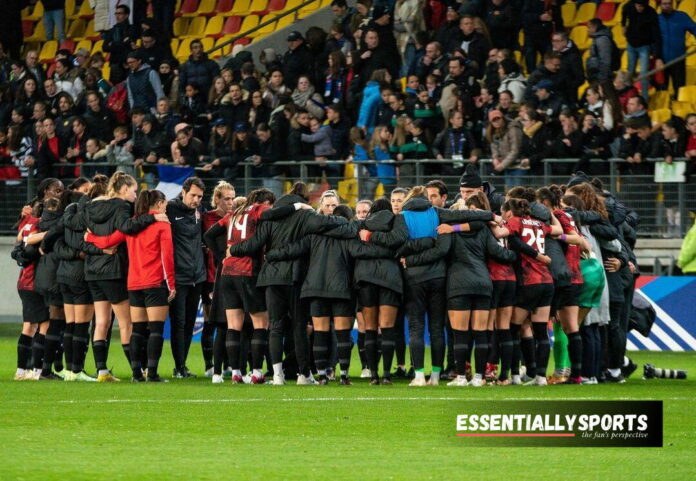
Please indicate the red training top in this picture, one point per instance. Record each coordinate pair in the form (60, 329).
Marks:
(210, 218)
(28, 225)
(533, 233)
(572, 252)
(500, 271)
(242, 229)
(150, 255)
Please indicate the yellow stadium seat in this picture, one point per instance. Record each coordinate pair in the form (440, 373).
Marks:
(183, 52)
(270, 28)
(98, 46)
(682, 109)
(308, 10)
(205, 8)
(520, 38)
(70, 10)
(568, 11)
(582, 88)
(688, 7)
(660, 116)
(241, 7)
(196, 28)
(249, 22)
(174, 44)
(617, 16)
(48, 51)
(85, 10)
(214, 26)
(285, 21)
(585, 13)
(208, 43)
(90, 32)
(258, 6)
(687, 94)
(292, 4)
(179, 26)
(326, 3)
(619, 37)
(76, 29)
(659, 100)
(86, 44)
(624, 60)
(36, 13)
(38, 35)
(106, 70)
(691, 76)
(579, 36)
(226, 49)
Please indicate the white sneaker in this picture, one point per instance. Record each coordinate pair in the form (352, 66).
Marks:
(365, 374)
(477, 382)
(303, 380)
(61, 373)
(246, 379)
(516, 380)
(20, 374)
(459, 381)
(537, 381)
(434, 379)
(418, 382)
(209, 372)
(278, 380)
(84, 377)
(69, 376)
(523, 371)
(589, 380)
(217, 379)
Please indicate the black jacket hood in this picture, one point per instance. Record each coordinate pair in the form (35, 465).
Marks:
(417, 204)
(381, 221)
(100, 211)
(540, 212)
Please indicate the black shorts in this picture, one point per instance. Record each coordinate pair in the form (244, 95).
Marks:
(240, 292)
(112, 290)
(76, 295)
(530, 298)
(566, 296)
(469, 302)
(52, 296)
(153, 297)
(34, 310)
(503, 294)
(325, 307)
(372, 295)
(206, 293)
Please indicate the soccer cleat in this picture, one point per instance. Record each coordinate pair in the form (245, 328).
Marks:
(648, 371)
(557, 378)
(477, 382)
(82, 376)
(374, 381)
(155, 378)
(418, 382)
(237, 379)
(614, 379)
(365, 374)
(386, 381)
(589, 380)
(177, 374)
(459, 381)
(50, 377)
(323, 380)
(137, 379)
(503, 382)
(303, 380)
(278, 380)
(257, 380)
(107, 378)
(69, 376)
(629, 369)
(537, 381)
(572, 380)
(187, 373)
(467, 371)
(331, 374)
(400, 373)
(218, 379)
(491, 372)
(345, 381)
(61, 373)
(20, 374)
(209, 372)
(516, 380)
(434, 379)
(411, 374)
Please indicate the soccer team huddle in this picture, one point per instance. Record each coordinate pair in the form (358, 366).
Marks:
(283, 284)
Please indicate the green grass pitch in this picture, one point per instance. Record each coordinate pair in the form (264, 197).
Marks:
(192, 429)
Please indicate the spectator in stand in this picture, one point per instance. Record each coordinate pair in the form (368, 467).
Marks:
(690, 145)
(198, 70)
(143, 83)
(11, 27)
(118, 41)
(371, 100)
(637, 108)
(474, 44)
(28, 93)
(259, 113)
(674, 26)
(249, 81)
(66, 111)
(373, 56)
(306, 97)
(566, 145)
(408, 19)
(449, 28)
(571, 64)
(338, 41)
(335, 80)
(233, 107)
(501, 20)
(343, 15)
(275, 87)
(67, 79)
(540, 19)
(601, 59)
(54, 19)
(642, 30)
(512, 80)
(595, 145)
(154, 50)
(433, 62)
(50, 153)
(31, 60)
(624, 88)
(549, 70)
(100, 120)
(637, 145)
(456, 143)
(535, 142)
(269, 153)
(169, 79)
(505, 140)
(340, 127)
(297, 60)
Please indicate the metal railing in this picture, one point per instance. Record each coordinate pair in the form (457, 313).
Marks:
(664, 208)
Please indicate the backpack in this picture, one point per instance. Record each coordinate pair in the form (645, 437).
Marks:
(117, 102)
(615, 56)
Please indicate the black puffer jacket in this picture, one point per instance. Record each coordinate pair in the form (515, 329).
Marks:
(187, 234)
(279, 227)
(103, 218)
(559, 266)
(46, 268)
(71, 270)
(399, 234)
(331, 263)
(384, 271)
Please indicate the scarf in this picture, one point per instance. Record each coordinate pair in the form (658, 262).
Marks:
(530, 131)
(301, 98)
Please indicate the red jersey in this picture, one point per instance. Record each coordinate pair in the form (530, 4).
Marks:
(533, 233)
(572, 252)
(238, 231)
(150, 255)
(500, 271)
(210, 218)
(28, 225)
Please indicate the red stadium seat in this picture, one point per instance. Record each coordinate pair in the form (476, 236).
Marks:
(187, 7)
(232, 25)
(605, 11)
(274, 5)
(224, 6)
(67, 44)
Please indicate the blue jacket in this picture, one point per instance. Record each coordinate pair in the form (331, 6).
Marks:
(360, 154)
(673, 29)
(372, 97)
(386, 170)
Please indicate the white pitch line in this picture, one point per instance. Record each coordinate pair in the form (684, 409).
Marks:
(321, 399)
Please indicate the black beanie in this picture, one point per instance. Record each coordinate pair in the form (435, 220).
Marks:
(470, 177)
(579, 177)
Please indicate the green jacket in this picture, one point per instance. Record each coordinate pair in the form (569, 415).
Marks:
(687, 255)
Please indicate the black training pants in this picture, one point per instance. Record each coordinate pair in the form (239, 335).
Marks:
(284, 301)
(429, 297)
(182, 314)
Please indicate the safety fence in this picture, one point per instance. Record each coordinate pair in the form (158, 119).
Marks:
(664, 208)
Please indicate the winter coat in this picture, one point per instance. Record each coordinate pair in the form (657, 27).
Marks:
(673, 28)
(516, 84)
(321, 140)
(71, 270)
(383, 271)
(509, 145)
(371, 100)
(199, 72)
(600, 60)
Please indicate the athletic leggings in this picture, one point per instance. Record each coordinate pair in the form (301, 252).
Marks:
(426, 298)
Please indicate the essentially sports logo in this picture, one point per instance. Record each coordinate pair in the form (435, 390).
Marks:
(562, 423)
